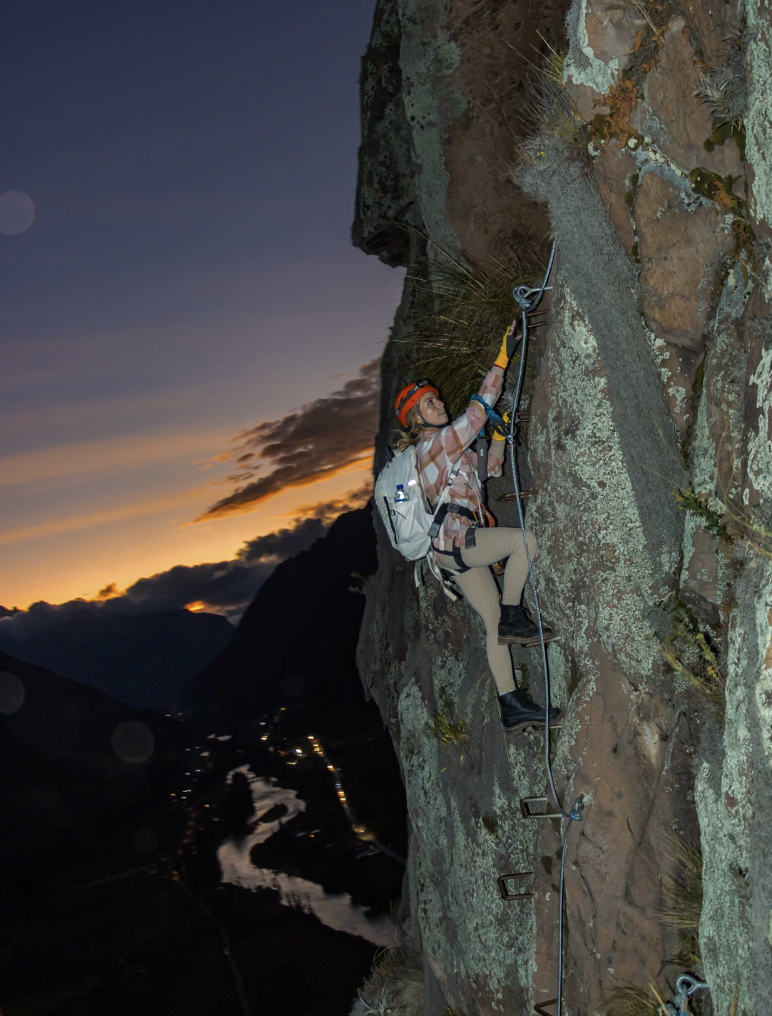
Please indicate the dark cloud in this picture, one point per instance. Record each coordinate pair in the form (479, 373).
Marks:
(284, 543)
(225, 587)
(311, 444)
(328, 511)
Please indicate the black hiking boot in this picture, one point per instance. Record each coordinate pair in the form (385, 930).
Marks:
(516, 625)
(519, 711)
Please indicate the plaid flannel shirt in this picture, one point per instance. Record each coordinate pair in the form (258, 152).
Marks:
(439, 451)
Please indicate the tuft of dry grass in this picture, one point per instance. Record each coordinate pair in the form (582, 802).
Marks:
(630, 1001)
(395, 986)
(466, 309)
(681, 906)
(755, 533)
(549, 107)
(723, 89)
(656, 15)
(700, 507)
(692, 653)
(448, 730)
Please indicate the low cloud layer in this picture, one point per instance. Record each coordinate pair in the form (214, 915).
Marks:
(314, 443)
(225, 587)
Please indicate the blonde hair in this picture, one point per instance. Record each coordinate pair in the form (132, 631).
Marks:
(403, 439)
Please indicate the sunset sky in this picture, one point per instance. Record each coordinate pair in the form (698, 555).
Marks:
(188, 277)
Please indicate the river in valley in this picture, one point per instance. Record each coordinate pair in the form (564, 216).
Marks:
(335, 910)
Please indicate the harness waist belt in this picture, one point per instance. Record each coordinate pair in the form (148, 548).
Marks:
(443, 512)
(439, 518)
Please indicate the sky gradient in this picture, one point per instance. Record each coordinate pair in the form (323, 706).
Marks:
(188, 275)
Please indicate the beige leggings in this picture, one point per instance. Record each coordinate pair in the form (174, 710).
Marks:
(479, 588)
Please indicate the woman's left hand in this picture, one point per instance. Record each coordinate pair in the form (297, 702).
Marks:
(508, 346)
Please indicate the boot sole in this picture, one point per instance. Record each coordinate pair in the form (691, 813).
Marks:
(526, 724)
(520, 640)
(530, 725)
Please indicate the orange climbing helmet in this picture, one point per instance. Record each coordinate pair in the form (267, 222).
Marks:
(409, 397)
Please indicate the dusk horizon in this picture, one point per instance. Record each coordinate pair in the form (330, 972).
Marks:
(174, 290)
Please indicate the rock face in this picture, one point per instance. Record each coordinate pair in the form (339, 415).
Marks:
(641, 138)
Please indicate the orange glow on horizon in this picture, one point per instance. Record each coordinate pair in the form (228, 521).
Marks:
(122, 544)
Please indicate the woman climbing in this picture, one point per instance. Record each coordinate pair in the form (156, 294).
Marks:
(464, 550)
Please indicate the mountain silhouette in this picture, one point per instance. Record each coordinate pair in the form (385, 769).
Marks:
(295, 645)
(140, 659)
(85, 784)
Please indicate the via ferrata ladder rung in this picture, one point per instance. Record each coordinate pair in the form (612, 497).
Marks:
(525, 810)
(504, 888)
(540, 1007)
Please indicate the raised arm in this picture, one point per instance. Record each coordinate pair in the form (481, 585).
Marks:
(459, 435)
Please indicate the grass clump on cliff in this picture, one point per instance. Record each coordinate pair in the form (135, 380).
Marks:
(656, 15)
(743, 525)
(549, 107)
(448, 730)
(627, 1000)
(752, 531)
(691, 652)
(723, 89)
(632, 1001)
(395, 985)
(466, 309)
(699, 506)
(681, 905)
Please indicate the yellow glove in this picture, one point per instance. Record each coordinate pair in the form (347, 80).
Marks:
(508, 344)
(497, 435)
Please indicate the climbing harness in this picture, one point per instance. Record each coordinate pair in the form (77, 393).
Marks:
(686, 985)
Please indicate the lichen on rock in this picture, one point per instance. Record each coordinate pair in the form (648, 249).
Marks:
(652, 381)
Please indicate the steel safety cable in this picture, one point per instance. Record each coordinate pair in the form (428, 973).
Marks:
(528, 302)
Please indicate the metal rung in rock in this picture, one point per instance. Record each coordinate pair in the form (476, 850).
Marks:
(523, 416)
(513, 496)
(525, 809)
(504, 889)
(541, 1007)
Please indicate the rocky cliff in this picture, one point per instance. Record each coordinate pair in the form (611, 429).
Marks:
(637, 134)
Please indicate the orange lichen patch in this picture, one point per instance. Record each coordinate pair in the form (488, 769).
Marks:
(723, 199)
(742, 245)
(620, 100)
(650, 38)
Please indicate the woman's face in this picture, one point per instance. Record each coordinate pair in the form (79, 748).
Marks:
(432, 409)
